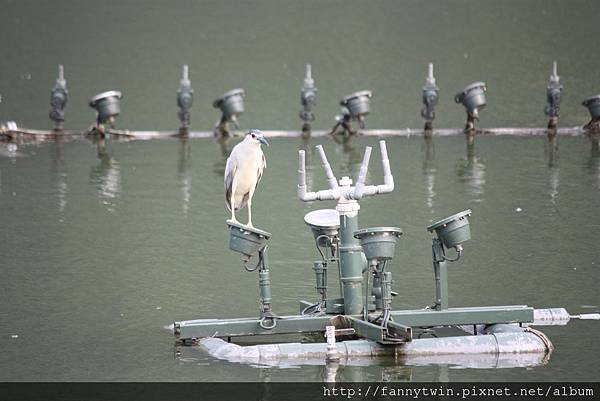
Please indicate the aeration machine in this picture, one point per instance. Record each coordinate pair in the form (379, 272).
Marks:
(361, 257)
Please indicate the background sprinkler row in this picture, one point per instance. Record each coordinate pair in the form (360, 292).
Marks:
(354, 107)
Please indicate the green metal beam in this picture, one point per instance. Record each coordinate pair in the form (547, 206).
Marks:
(402, 321)
(250, 326)
(368, 330)
(399, 331)
(393, 334)
(458, 316)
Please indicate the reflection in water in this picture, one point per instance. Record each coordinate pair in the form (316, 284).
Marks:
(10, 150)
(106, 176)
(553, 169)
(381, 369)
(331, 370)
(225, 147)
(552, 151)
(396, 372)
(429, 170)
(264, 376)
(184, 167)
(349, 165)
(352, 160)
(59, 173)
(594, 160)
(471, 171)
(367, 369)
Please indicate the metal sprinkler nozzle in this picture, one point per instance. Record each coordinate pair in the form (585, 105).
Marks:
(231, 105)
(553, 93)
(358, 104)
(430, 98)
(593, 106)
(108, 107)
(355, 107)
(185, 99)
(308, 99)
(472, 97)
(451, 232)
(58, 100)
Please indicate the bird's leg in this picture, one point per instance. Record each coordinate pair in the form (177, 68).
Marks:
(232, 201)
(250, 195)
(250, 215)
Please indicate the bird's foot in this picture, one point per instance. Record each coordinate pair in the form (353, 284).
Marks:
(233, 220)
(250, 225)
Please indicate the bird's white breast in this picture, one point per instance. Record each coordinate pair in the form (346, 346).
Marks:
(249, 166)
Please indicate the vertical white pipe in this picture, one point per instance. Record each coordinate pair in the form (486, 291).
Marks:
(332, 353)
(362, 175)
(328, 171)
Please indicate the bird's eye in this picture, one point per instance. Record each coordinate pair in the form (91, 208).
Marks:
(253, 136)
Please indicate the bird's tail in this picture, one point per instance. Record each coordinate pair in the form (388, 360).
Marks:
(228, 201)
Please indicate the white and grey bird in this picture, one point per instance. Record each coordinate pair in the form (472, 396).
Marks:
(243, 172)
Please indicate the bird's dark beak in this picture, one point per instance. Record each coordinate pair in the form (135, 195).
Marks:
(262, 140)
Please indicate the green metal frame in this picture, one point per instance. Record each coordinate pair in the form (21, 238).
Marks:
(403, 321)
(464, 316)
(347, 312)
(250, 326)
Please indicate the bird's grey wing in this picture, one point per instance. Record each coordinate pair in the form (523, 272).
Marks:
(230, 169)
(261, 168)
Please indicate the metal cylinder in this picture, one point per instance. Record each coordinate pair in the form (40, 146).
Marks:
(430, 100)
(58, 100)
(552, 102)
(378, 242)
(593, 106)
(185, 98)
(377, 290)
(231, 103)
(553, 92)
(320, 269)
(358, 103)
(351, 262)
(264, 283)
(185, 94)
(472, 97)
(430, 96)
(386, 290)
(453, 230)
(550, 317)
(107, 104)
(308, 96)
(247, 241)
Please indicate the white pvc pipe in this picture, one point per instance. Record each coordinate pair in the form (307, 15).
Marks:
(327, 167)
(362, 175)
(302, 191)
(332, 352)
